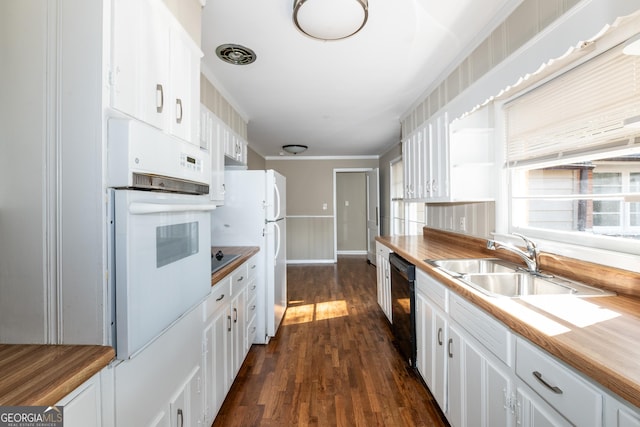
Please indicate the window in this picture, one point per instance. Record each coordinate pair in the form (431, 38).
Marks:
(596, 197)
(573, 157)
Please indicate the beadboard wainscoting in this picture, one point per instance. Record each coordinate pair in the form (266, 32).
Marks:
(310, 239)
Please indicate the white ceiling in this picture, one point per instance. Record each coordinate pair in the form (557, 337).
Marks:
(345, 97)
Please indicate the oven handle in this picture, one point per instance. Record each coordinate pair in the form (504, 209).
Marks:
(141, 208)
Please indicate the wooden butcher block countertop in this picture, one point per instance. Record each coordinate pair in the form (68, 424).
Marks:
(598, 336)
(245, 253)
(42, 375)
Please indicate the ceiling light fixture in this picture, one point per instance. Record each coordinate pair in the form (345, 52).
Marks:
(235, 54)
(294, 148)
(330, 19)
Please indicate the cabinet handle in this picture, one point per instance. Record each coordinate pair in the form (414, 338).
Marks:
(553, 388)
(439, 336)
(179, 110)
(235, 315)
(449, 348)
(253, 287)
(253, 307)
(240, 279)
(229, 321)
(253, 267)
(220, 297)
(159, 98)
(181, 417)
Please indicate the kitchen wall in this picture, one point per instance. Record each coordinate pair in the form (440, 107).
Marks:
(189, 14)
(310, 232)
(216, 103)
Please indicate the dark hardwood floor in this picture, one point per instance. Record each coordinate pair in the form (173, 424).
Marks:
(332, 362)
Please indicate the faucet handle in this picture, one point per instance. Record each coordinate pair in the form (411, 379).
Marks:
(531, 246)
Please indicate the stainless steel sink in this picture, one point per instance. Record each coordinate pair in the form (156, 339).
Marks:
(474, 265)
(522, 284)
(498, 278)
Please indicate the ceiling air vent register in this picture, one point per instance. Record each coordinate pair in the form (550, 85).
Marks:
(235, 54)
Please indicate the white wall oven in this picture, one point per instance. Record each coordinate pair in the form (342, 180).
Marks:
(160, 232)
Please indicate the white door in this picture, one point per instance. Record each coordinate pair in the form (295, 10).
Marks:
(373, 213)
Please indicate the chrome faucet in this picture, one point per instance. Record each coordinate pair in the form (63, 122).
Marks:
(530, 257)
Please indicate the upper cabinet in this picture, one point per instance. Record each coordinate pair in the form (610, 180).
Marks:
(450, 161)
(155, 68)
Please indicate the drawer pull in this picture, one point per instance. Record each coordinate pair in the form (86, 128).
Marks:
(553, 388)
(220, 297)
(253, 287)
(240, 279)
(253, 307)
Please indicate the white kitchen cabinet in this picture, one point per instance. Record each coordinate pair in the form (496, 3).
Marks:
(225, 335)
(570, 395)
(432, 336)
(83, 406)
(211, 128)
(383, 284)
(185, 405)
(532, 411)
(450, 162)
(146, 385)
(620, 414)
(235, 148)
(478, 386)
(155, 70)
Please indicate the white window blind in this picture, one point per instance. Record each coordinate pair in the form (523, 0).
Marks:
(579, 112)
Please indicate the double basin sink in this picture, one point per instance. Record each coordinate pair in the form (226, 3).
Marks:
(496, 277)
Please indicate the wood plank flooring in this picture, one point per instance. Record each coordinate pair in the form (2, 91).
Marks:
(332, 362)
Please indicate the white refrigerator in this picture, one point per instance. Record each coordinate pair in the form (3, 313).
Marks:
(254, 214)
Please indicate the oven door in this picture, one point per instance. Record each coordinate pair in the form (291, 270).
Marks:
(161, 257)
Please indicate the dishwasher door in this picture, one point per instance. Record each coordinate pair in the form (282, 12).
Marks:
(403, 303)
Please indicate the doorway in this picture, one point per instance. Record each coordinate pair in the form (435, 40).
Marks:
(356, 212)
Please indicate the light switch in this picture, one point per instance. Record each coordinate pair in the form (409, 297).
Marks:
(346, 203)
(324, 206)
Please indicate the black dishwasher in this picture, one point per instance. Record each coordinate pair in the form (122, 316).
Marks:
(403, 302)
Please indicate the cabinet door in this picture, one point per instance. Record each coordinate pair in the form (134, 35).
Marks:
(439, 158)
(126, 38)
(154, 92)
(239, 330)
(221, 361)
(217, 188)
(181, 68)
(532, 411)
(82, 407)
(478, 387)
(440, 357)
(425, 339)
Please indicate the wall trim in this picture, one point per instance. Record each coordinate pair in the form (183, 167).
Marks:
(310, 261)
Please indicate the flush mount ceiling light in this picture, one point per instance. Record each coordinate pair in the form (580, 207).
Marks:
(294, 148)
(330, 19)
(235, 54)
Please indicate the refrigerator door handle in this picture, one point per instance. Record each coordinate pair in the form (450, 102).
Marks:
(277, 201)
(276, 227)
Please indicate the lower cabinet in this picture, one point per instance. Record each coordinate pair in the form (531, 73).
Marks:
(481, 374)
(162, 384)
(225, 337)
(83, 406)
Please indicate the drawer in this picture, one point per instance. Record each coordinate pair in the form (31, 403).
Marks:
(218, 298)
(252, 330)
(382, 250)
(239, 277)
(432, 289)
(252, 267)
(252, 307)
(569, 394)
(252, 289)
(491, 333)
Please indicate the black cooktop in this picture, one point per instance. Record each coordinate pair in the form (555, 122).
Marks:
(219, 260)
